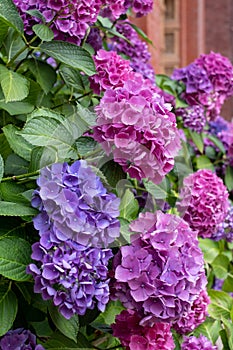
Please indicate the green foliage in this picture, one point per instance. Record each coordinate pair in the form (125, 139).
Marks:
(10, 15)
(8, 307)
(14, 86)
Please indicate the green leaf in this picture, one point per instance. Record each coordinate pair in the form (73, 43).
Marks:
(70, 54)
(10, 15)
(220, 266)
(209, 248)
(203, 162)
(1, 168)
(18, 144)
(5, 149)
(12, 192)
(16, 209)
(59, 342)
(107, 317)
(210, 329)
(85, 145)
(3, 30)
(16, 108)
(229, 330)
(15, 87)
(8, 308)
(15, 165)
(14, 44)
(124, 229)
(43, 32)
(45, 74)
(216, 142)
(228, 179)
(69, 328)
(221, 304)
(37, 14)
(197, 139)
(72, 77)
(140, 32)
(228, 284)
(129, 206)
(15, 255)
(158, 191)
(113, 172)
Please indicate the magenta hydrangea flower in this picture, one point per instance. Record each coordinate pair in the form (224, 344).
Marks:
(113, 9)
(142, 7)
(19, 339)
(136, 125)
(193, 117)
(162, 272)
(134, 336)
(112, 71)
(194, 343)
(69, 19)
(72, 275)
(203, 202)
(195, 316)
(75, 203)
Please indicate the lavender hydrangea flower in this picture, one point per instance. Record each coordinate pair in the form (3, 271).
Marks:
(73, 201)
(203, 202)
(134, 336)
(73, 276)
(162, 272)
(136, 125)
(193, 343)
(225, 229)
(193, 117)
(19, 339)
(94, 39)
(195, 316)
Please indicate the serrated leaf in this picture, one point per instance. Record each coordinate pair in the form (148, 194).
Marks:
(14, 44)
(129, 206)
(228, 284)
(70, 54)
(15, 165)
(1, 167)
(140, 33)
(59, 342)
(10, 15)
(158, 191)
(113, 172)
(124, 229)
(15, 87)
(108, 316)
(5, 149)
(15, 255)
(43, 32)
(203, 162)
(209, 248)
(12, 192)
(72, 77)
(8, 308)
(221, 304)
(229, 330)
(15, 209)
(69, 328)
(45, 74)
(3, 30)
(16, 108)
(220, 266)
(228, 179)
(210, 329)
(37, 14)
(85, 145)
(18, 144)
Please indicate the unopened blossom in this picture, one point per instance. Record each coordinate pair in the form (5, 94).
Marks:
(162, 272)
(137, 126)
(112, 71)
(73, 200)
(195, 316)
(193, 117)
(203, 202)
(200, 343)
(134, 336)
(72, 275)
(19, 339)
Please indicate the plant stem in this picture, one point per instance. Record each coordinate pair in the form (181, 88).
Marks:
(18, 177)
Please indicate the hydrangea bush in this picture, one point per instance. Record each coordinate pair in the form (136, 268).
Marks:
(116, 185)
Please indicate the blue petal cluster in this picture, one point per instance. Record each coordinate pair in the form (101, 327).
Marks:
(19, 339)
(73, 201)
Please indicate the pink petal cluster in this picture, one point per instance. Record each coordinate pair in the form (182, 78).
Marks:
(195, 316)
(136, 125)
(194, 343)
(133, 336)
(162, 272)
(112, 71)
(203, 202)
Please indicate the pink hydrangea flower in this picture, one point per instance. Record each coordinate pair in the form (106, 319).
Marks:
(112, 71)
(195, 316)
(203, 202)
(133, 336)
(201, 343)
(136, 125)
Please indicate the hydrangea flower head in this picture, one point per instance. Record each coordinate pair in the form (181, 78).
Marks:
(74, 201)
(136, 125)
(193, 117)
(225, 229)
(203, 202)
(112, 71)
(193, 343)
(19, 339)
(72, 275)
(195, 316)
(134, 336)
(162, 272)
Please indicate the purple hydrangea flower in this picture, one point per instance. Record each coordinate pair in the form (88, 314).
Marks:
(134, 336)
(136, 125)
(218, 125)
(225, 229)
(94, 39)
(19, 339)
(73, 276)
(203, 202)
(74, 202)
(112, 71)
(193, 343)
(195, 316)
(162, 272)
(193, 117)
